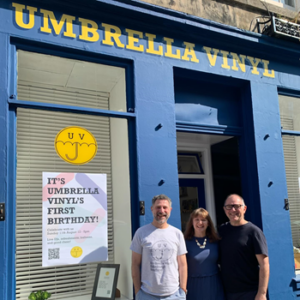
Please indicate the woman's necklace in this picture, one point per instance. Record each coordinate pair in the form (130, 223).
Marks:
(199, 245)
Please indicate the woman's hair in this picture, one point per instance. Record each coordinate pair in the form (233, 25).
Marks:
(210, 230)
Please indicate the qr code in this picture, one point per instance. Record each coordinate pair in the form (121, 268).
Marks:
(53, 253)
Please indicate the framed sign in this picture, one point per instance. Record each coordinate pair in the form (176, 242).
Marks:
(106, 282)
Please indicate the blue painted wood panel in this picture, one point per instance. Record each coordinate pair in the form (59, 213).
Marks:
(4, 197)
(157, 154)
(272, 186)
(206, 101)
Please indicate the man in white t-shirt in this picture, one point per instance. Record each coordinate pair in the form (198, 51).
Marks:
(159, 268)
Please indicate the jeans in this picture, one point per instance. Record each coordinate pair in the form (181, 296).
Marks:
(178, 295)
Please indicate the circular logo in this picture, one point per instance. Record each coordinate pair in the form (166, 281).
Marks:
(75, 145)
(107, 273)
(76, 252)
(162, 251)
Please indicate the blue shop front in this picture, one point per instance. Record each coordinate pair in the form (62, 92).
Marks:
(175, 104)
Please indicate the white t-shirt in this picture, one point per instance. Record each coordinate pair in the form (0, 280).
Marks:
(159, 249)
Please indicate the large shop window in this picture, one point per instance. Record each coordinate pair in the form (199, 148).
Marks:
(290, 121)
(57, 80)
(44, 78)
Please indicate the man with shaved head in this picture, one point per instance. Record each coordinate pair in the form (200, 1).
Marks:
(243, 254)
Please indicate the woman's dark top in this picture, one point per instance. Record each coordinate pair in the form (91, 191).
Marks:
(202, 262)
(204, 282)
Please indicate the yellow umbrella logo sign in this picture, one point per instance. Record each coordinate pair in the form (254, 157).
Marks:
(76, 252)
(76, 145)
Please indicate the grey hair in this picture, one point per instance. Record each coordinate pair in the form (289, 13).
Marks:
(161, 197)
(236, 195)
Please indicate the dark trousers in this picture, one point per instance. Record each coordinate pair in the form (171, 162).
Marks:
(241, 296)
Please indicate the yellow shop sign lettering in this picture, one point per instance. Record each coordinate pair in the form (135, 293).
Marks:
(136, 40)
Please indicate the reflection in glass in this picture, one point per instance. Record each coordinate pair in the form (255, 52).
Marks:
(188, 202)
(189, 164)
(289, 112)
(58, 80)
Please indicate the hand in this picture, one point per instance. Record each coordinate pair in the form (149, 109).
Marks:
(185, 290)
(137, 291)
(260, 297)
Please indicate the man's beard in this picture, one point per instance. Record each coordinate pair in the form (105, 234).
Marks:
(161, 221)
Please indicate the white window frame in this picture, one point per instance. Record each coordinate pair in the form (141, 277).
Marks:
(193, 143)
(281, 3)
(115, 116)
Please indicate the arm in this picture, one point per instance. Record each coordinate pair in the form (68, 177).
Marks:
(182, 268)
(136, 271)
(264, 273)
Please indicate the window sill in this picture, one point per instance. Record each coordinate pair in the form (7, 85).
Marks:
(89, 297)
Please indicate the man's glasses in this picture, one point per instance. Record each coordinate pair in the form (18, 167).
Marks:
(231, 206)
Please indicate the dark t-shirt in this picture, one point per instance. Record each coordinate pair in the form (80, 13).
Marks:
(239, 265)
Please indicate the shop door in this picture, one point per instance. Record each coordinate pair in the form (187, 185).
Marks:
(209, 171)
(192, 196)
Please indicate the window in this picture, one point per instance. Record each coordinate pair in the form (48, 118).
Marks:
(290, 120)
(289, 2)
(57, 80)
(189, 163)
(284, 3)
(44, 78)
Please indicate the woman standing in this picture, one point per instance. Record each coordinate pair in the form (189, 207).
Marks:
(204, 281)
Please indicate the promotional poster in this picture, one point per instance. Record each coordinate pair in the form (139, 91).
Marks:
(74, 218)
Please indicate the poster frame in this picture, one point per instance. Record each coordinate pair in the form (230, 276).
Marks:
(116, 267)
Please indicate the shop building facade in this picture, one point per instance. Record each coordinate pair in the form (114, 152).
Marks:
(178, 105)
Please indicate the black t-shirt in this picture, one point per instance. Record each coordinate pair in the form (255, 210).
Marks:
(239, 265)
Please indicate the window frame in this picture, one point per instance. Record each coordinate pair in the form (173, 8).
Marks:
(281, 3)
(13, 104)
(295, 133)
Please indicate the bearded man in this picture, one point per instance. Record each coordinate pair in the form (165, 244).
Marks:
(159, 267)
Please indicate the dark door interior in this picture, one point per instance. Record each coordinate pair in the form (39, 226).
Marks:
(226, 174)
(192, 196)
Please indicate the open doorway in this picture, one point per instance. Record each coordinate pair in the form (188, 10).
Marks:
(226, 174)
(208, 171)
